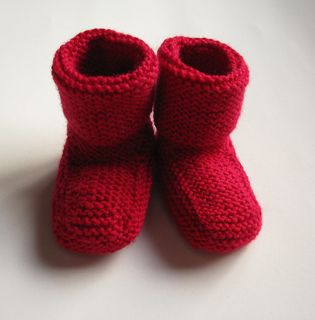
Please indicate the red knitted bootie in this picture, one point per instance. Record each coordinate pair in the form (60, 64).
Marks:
(106, 83)
(199, 99)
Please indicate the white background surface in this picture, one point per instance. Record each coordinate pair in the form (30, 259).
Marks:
(159, 276)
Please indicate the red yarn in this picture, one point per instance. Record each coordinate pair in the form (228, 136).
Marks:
(106, 82)
(199, 99)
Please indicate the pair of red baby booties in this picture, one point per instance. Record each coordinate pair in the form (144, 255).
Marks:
(109, 83)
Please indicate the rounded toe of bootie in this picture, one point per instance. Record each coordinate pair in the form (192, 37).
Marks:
(92, 240)
(213, 202)
(96, 235)
(223, 232)
(95, 215)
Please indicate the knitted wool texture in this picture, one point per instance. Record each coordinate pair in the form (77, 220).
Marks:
(199, 99)
(106, 83)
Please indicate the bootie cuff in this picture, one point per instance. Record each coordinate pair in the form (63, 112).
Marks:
(105, 62)
(204, 61)
(106, 82)
(200, 91)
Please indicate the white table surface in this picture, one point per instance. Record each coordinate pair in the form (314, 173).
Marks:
(160, 276)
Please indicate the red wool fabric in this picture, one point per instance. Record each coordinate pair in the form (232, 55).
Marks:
(106, 84)
(199, 99)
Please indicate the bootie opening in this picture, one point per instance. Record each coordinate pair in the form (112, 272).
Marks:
(203, 61)
(104, 57)
(206, 58)
(104, 61)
